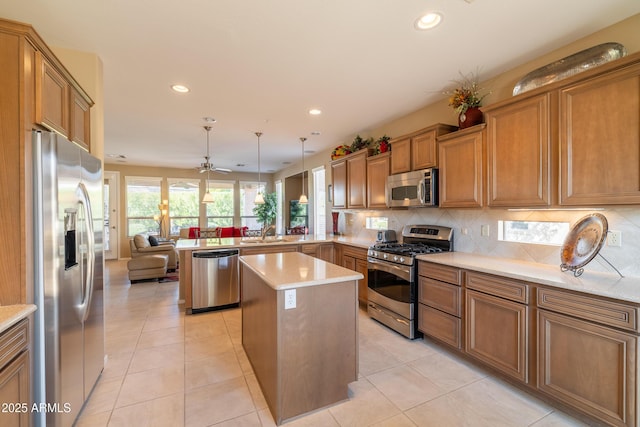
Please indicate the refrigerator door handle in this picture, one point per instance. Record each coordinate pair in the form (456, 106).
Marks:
(84, 201)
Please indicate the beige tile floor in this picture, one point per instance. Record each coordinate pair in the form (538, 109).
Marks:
(168, 369)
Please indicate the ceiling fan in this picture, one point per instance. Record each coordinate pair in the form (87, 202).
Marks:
(206, 166)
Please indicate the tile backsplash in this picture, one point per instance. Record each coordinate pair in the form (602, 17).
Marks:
(626, 220)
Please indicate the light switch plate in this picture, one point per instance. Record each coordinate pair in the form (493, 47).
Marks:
(289, 299)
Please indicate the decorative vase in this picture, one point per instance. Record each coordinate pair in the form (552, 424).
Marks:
(335, 216)
(473, 116)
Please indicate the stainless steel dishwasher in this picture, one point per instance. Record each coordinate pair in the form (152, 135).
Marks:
(214, 279)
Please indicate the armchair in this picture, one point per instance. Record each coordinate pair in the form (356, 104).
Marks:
(140, 246)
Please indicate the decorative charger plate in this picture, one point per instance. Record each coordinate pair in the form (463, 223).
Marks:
(583, 242)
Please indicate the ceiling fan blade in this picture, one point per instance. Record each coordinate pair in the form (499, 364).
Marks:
(222, 170)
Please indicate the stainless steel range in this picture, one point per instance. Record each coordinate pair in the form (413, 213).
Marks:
(393, 273)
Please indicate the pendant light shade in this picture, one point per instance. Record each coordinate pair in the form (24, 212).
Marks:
(259, 197)
(303, 197)
(208, 197)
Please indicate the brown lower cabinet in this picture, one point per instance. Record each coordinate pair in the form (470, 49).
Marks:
(14, 375)
(577, 349)
(497, 333)
(355, 258)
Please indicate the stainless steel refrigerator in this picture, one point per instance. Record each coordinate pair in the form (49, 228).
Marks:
(69, 322)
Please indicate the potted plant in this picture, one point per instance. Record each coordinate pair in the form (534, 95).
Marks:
(465, 100)
(382, 144)
(266, 212)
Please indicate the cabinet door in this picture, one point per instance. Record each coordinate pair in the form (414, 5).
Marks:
(518, 150)
(357, 181)
(400, 156)
(14, 389)
(587, 366)
(496, 333)
(52, 97)
(325, 252)
(339, 183)
(80, 128)
(424, 153)
(377, 173)
(600, 140)
(461, 165)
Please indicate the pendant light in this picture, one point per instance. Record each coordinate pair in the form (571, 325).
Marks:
(303, 197)
(208, 197)
(259, 197)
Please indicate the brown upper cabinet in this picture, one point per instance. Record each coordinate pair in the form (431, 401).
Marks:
(349, 180)
(575, 142)
(600, 139)
(461, 168)
(37, 93)
(518, 152)
(52, 97)
(417, 150)
(377, 173)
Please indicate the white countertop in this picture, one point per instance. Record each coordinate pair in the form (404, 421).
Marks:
(294, 270)
(604, 284)
(237, 242)
(12, 314)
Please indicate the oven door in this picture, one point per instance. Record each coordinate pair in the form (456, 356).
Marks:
(392, 296)
(390, 285)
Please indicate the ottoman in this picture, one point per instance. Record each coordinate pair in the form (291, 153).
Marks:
(147, 267)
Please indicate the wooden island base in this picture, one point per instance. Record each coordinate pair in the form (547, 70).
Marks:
(303, 357)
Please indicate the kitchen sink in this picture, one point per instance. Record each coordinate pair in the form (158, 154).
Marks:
(260, 241)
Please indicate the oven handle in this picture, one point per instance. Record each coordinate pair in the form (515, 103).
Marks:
(405, 272)
(396, 319)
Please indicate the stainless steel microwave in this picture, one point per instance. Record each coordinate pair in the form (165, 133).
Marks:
(413, 189)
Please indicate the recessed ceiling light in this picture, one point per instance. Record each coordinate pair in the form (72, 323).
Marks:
(209, 119)
(286, 163)
(428, 21)
(180, 88)
(240, 165)
(315, 133)
(315, 112)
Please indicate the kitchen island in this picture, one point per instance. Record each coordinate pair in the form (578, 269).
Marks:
(299, 330)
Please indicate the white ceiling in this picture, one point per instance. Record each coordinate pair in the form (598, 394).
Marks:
(258, 65)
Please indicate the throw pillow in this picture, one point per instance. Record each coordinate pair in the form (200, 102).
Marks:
(153, 241)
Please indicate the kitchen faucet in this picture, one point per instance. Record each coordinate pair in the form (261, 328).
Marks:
(265, 230)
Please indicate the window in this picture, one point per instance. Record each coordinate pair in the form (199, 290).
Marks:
(298, 214)
(143, 198)
(377, 222)
(539, 232)
(320, 205)
(220, 212)
(248, 191)
(184, 206)
(279, 213)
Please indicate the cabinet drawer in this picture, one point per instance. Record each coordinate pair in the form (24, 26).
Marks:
(589, 308)
(440, 295)
(13, 342)
(498, 286)
(440, 272)
(439, 325)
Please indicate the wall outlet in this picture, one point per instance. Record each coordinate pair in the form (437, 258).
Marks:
(484, 230)
(289, 299)
(614, 238)
(464, 231)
